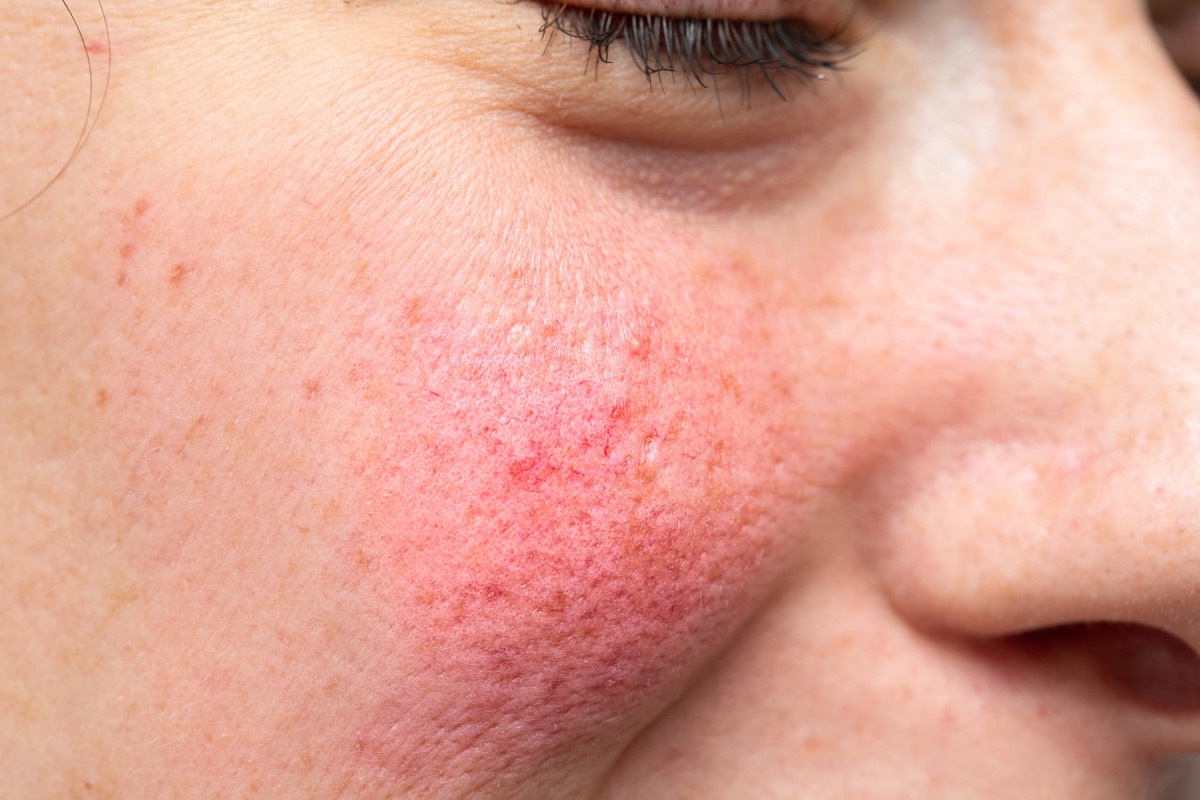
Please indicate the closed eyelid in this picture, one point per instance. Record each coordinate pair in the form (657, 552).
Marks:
(720, 9)
(698, 51)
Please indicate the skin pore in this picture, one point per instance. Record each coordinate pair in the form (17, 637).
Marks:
(395, 406)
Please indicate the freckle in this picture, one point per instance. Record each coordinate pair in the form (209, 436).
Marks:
(197, 426)
(413, 311)
(730, 385)
(178, 273)
(122, 278)
(312, 388)
(830, 300)
(127, 250)
(141, 207)
(101, 398)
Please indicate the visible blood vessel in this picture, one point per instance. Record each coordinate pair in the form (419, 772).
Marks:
(568, 520)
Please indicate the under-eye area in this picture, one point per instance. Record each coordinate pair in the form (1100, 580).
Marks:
(697, 52)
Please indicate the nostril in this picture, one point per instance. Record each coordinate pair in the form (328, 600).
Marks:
(1150, 666)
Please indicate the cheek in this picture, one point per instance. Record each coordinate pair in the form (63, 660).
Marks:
(572, 497)
(564, 481)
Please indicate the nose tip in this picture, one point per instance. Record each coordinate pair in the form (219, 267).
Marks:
(1089, 558)
(1051, 528)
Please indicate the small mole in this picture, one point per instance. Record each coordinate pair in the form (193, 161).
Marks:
(127, 250)
(179, 272)
(140, 208)
(102, 398)
(122, 278)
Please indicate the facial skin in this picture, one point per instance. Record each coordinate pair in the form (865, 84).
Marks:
(392, 409)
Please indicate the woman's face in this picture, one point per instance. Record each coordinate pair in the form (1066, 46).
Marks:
(397, 405)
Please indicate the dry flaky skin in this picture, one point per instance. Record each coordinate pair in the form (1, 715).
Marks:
(383, 420)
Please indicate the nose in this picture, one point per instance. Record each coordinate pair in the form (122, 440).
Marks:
(1061, 502)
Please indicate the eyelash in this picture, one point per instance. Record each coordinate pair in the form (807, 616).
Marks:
(698, 49)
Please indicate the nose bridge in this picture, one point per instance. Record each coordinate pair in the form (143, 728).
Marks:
(1075, 497)
(1100, 134)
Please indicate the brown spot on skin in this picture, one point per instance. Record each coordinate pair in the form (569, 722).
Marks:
(102, 398)
(140, 208)
(121, 597)
(198, 425)
(414, 310)
(127, 250)
(122, 278)
(312, 388)
(730, 385)
(558, 603)
(179, 273)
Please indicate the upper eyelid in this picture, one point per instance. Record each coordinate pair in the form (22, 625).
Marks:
(700, 48)
(748, 10)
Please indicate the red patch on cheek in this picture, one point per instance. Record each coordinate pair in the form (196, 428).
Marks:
(569, 533)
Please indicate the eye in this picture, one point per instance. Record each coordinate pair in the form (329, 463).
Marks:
(1178, 23)
(697, 51)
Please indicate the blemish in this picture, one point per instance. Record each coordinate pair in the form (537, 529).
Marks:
(140, 208)
(646, 474)
(197, 426)
(530, 471)
(102, 398)
(127, 250)
(640, 348)
(122, 278)
(558, 603)
(97, 46)
(312, 388)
